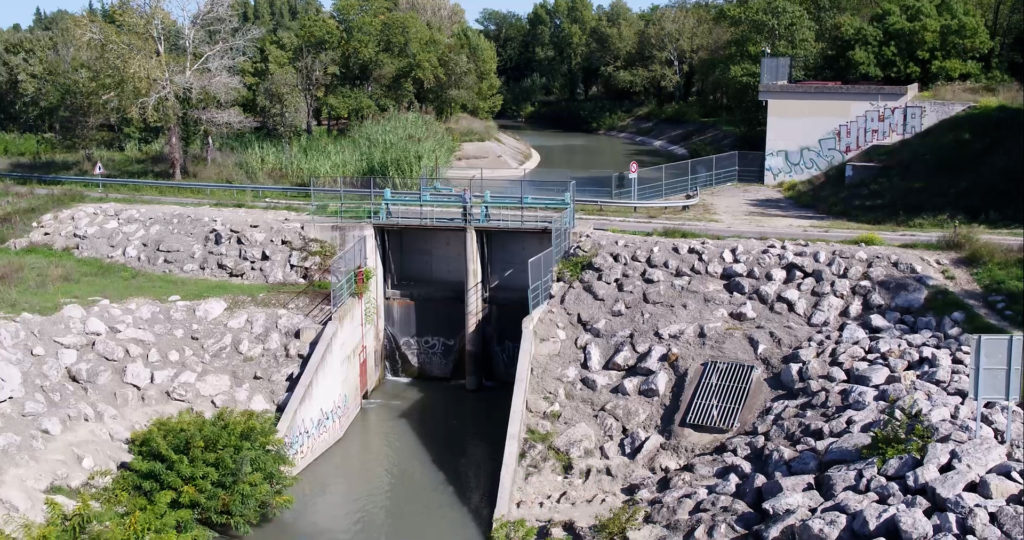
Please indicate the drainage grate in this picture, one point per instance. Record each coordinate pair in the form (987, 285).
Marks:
(720, 395)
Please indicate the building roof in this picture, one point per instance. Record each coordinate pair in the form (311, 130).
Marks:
(832, 88)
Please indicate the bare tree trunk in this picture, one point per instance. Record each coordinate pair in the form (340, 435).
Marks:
(309, 117)
(209, 149)
(174, 149)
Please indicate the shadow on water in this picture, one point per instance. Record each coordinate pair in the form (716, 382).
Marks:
(465, 437)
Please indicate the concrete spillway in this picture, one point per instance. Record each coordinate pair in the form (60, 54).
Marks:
(419, 457)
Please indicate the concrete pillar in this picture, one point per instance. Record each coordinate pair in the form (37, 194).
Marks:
(474, 310)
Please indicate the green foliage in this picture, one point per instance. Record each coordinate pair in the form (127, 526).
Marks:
(904, 431)
(617, 524)
(401, 145)
(229, 470)
(571, 268)
(957, 169)
(942, 302)
(42, 280)
(563, 460)
(539, 437)
(868, 239)
(465, 128)
(504, 529)
(190, 477)
(362, 286)
(25, 145)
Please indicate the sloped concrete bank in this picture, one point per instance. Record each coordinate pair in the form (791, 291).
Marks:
(843, 339)
(345, 366)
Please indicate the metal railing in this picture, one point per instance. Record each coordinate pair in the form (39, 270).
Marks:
(683, 177)
(438, 202)
(346, 273)
(541, 268)
(652, 183)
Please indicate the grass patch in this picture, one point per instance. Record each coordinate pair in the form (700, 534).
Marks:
(571, 268)
(668, 232)
(539, 437)
(982, 93)
(42, 281)
(943, 302)
(622, 520)
(964, 168)
(867, 239)
(466, 128)
(19, 210)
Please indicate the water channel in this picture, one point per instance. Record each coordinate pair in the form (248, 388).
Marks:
(422, 458)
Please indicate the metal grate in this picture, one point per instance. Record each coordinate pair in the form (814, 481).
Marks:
(720, 395)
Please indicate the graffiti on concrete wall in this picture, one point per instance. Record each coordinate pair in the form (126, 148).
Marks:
(875, 125)
(433, 356)
(310, 431)
(784, 164)
(506, 356)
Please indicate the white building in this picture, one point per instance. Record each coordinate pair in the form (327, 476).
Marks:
(813, 126)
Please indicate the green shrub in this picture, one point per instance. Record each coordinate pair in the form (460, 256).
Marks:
(190, 477)
(571, 268)
(229, 471)
(868, 239)
(513, 530)
(620, 521)
(943, 302)
(902, 432)
(26, 145)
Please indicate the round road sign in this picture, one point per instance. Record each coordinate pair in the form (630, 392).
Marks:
(633, 167)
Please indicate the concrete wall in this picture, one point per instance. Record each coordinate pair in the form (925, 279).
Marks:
(434, 256)
(516, 418)
(812, 128)
(344, 365)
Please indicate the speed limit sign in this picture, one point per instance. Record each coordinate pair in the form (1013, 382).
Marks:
(633, 168)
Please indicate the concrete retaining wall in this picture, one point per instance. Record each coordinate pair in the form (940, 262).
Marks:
(516, 417)
(344, 366)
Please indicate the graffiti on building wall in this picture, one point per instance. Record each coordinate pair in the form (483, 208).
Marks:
(310, 431)
(875, 125)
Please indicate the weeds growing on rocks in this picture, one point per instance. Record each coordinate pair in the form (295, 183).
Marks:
(617, 524)
(902, 432)
(504, 529)
(571, 268)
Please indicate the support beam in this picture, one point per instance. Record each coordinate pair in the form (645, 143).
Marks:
(474, 310)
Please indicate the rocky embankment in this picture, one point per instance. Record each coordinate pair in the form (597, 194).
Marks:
(74, 385)
(840, 338)
(251, 245)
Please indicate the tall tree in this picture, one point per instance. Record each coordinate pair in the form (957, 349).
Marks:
(191, 62)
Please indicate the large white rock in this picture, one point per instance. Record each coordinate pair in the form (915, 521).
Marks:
(95, 327)
(10, 382)
(137, 375)
(209, 310)
(213, 384)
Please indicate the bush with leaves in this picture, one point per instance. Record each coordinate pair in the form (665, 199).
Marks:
(513, 530)
(904, 431)
(190, 477)
(617, 524)
(229, 470)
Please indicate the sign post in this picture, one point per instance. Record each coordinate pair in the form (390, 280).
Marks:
(633, 168)
(996, 374)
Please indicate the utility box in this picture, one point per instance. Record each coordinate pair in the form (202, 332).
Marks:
(775, 69)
